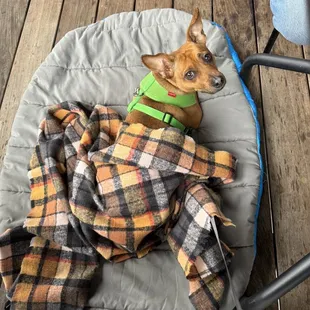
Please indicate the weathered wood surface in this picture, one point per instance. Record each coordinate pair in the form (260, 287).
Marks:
(13, 14)
(35, 43)
(238, 19)
(109, 7)
(76, 13)
(205, 7)
(287, 113)
(142, 5)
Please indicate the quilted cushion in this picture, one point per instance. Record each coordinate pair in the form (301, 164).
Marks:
(100, 64)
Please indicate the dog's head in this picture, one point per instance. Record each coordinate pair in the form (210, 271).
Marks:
(192, 67)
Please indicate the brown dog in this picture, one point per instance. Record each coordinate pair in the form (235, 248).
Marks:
(187, 70)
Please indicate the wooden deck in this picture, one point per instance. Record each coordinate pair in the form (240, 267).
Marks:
(30, 28)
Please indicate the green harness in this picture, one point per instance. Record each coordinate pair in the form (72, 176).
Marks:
(152, 89)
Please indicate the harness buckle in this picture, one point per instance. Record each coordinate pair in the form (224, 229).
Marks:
(167, 118)
(137, 91)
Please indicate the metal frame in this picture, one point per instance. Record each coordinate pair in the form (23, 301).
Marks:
(274, 61)
(271, 41)
(289, 279)
(300, 271)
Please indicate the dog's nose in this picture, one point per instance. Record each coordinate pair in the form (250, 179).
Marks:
(218, 81)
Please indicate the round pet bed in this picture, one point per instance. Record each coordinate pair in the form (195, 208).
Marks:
(100, 64)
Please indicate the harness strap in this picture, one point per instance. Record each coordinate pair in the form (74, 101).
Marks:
(151, 88)
(139, 92)
(233, 292)
(161, 116)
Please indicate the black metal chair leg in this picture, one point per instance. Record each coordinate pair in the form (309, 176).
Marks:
(279, 287)
(271, 41)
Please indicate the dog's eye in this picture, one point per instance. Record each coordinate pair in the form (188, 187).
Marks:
(189, 75)
(207, 57)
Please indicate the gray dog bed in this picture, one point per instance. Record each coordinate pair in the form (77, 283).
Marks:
(100, 64)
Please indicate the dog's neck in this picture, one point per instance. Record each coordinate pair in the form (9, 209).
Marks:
(168, 85)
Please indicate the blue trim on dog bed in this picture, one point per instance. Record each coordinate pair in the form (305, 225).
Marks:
(252, 104)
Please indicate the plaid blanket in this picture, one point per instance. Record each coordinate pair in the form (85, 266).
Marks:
(100, 186)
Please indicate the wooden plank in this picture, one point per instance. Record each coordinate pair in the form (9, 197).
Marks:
(205, 7)
(36, 42)
(238, 19)
(109, 7)
(11, 24)
(287, 113)
(76, 13)
(142, 5)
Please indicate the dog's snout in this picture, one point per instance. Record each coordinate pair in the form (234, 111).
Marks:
(218, 81)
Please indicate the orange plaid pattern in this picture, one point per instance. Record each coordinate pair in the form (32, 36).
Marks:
(103, 187)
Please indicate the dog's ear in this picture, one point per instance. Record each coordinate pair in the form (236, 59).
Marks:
(160, 63)
(195, 30)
